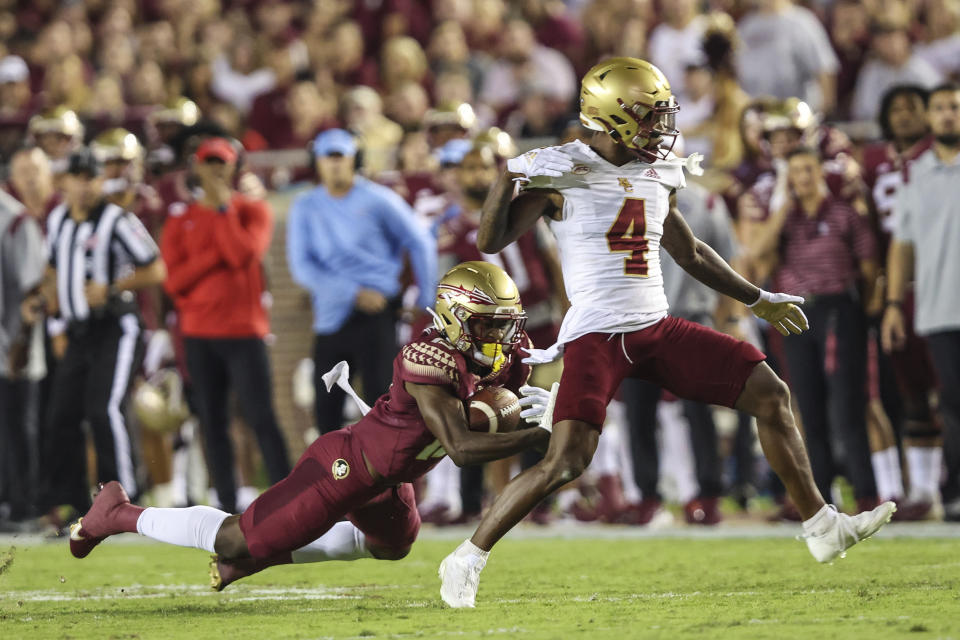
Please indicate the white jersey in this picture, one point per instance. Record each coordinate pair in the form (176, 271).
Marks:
(609, 240)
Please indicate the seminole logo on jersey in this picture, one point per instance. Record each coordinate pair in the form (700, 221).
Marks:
(450, 293)
(340, 469)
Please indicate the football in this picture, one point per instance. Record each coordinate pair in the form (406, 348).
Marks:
(494, 409)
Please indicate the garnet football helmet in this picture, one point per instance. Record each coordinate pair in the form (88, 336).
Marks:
(630, 99)
(478, 310)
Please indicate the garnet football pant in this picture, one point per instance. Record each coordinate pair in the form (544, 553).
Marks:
(368, 342)
(91, 383)
(828, 372)
(329, 483)
(217, 365)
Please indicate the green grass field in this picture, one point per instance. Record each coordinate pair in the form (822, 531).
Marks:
(533, 587)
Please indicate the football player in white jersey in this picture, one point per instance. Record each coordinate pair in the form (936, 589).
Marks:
(612, 205)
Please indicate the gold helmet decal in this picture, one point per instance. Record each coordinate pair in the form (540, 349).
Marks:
(630, 100)
(478, 310)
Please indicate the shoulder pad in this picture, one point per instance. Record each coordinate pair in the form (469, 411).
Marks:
(426, 362)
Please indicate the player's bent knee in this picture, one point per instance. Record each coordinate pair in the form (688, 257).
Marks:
(230, 543)
(390, 553)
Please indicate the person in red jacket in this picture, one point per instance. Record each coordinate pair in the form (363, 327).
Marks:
(214, 248)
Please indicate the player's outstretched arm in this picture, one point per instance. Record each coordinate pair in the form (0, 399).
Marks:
(446, 417)
(703, 263)
(505, 217)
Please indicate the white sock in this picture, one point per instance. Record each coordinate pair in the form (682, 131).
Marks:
(476, 554)
(886, 472)
(820, 521)
(677, 469)
(342, 542)
(195, 527)
(924, 464)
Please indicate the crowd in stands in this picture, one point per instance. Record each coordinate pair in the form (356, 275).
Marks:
(796, 106)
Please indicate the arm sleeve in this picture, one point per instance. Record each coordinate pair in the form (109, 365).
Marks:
(135, 239)
(242, 241)
(425, 363)
(323, 283)
(183, 270)
(414, 237)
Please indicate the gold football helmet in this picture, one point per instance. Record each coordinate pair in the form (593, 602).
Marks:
(159, 402)
(116, 145)
(792, 113)
(60, 120)
(177, 111)
(630, 100)
(497, 140)
(478, 310)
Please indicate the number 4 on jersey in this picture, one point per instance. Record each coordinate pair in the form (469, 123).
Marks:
(628, 233)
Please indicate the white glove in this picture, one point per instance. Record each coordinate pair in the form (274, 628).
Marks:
(543, 356)
(781, 310)
(539, 403)
(549, 162)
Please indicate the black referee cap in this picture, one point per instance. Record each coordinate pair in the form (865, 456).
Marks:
(84, 162)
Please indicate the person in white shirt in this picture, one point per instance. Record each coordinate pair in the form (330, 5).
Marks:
(676, 42)
(612, 205)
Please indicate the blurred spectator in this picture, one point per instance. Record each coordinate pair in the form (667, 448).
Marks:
(826, 250)
(850, 35)
(941, 49)
(892, 63)
(31, 182)
(925, 239)
(106, 101)
(554, 26)
(214, 247)
(785, 52)
(675, 43)
(522, 61)
(308, 113)
(401, 61)
(92, 381)
(163, 127)
(15, 95)
(345, 57)
(448, 52)
(377, 135)
(268, 114)
(407, 105)
(346, 243)
(22, 263)
(239, 79)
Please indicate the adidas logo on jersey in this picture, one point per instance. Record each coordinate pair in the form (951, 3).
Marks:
(651, 173)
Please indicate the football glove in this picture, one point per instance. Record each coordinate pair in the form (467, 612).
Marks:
(781, 310)
(539, 403)
(540, 162)
(543, 356)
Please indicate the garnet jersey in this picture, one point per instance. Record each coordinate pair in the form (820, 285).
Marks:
(420, 190)
(609, 240)
(393, 436)
(884, 171)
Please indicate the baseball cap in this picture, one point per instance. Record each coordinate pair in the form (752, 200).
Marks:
(84, 162)
(219, 148)
(453, 152)
(335, 141)
(13, 69)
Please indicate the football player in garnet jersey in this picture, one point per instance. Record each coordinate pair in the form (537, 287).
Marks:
(612, 205)
(362, 473)
(906, 378)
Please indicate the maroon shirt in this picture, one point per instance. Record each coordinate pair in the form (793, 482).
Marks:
(393, 436)
(820, 255)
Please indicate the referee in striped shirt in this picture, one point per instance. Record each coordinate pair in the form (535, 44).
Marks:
(98, 255)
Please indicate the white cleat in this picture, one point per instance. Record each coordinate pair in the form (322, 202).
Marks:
(460, 576)
(846, 531)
